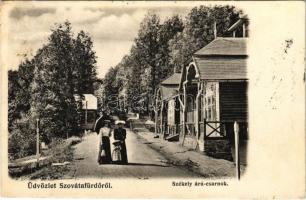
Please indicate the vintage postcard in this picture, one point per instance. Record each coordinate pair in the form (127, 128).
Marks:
(153, 99)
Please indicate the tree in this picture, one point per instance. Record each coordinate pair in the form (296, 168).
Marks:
(111, 89)
(162, 48)
(199, 31)
(13, 88)
(84, 73)
(21, 140)
(135, 85)
(147, 46)
(19, 91)
(53, 89)
(44, 87)
(151, 53)
(168, 30)
(99, 93)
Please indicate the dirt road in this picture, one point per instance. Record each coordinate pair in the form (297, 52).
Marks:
(144, 162)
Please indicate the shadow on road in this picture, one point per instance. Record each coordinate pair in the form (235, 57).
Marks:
(138, 164)
(146, 164)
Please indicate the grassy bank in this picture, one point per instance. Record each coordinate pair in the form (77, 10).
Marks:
(60, 154)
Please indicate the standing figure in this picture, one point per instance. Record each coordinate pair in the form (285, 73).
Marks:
(104, 156)
(100, 121)
(120, 135)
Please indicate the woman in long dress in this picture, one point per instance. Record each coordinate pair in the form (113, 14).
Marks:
(104, 156)
(120, 135)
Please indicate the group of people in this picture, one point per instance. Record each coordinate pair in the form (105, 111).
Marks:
(119, 153)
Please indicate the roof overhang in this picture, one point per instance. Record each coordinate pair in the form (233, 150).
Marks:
(226, 80)
(222, 68)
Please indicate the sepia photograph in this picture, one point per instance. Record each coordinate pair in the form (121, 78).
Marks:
(143, 93)
(185, 93)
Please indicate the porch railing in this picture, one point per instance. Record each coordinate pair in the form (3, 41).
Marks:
(172, 129)
(178, 129)
(209, 129)
(222, 129)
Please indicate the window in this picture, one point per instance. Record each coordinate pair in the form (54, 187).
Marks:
(210, 107)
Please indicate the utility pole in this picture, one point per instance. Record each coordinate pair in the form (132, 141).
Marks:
(85, 116)
(37, 140)
(236, 131)
(156, 112)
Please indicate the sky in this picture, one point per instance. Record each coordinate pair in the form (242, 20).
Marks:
(112, 26)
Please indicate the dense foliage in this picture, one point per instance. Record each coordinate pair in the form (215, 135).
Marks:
(159, 50)
(44, 87)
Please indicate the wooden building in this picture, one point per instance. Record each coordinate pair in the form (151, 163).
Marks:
(200, 105)
(168, 108)
(89, 106)
(214, 88)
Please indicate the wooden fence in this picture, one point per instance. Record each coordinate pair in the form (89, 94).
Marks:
(222, 129)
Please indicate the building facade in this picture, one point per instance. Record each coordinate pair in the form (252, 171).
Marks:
(168, 108)
(211, 95)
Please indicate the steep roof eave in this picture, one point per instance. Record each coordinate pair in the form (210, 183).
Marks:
(216, 47)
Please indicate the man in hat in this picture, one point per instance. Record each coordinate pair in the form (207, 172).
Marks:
(120, 135)
(100, 121)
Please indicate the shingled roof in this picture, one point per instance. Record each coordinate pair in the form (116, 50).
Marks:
(222, 59)
(224, 46)
(224, 68)
(174, 79)
(169, 87)
(168, 91)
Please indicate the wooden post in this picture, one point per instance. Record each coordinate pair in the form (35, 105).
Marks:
(156, 113)
(182, 106)
(156, 118)
(37, 140)
(217, 92)
(85, 114)
(203, 113)
(166, 128)
(184, 113)
(236, 131)
(161, 118)
(196, 124)
(243, 30)
(215, 29)
(168, 132)
(204, 128)
(198, 104)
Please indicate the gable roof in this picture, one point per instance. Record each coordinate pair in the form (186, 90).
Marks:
(174, 79)
(168, 91)
(222, 59)
(224, 46)
(169, 87)
(222, 68)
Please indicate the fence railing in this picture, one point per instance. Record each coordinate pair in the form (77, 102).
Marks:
(172, 129)
(222, 129)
